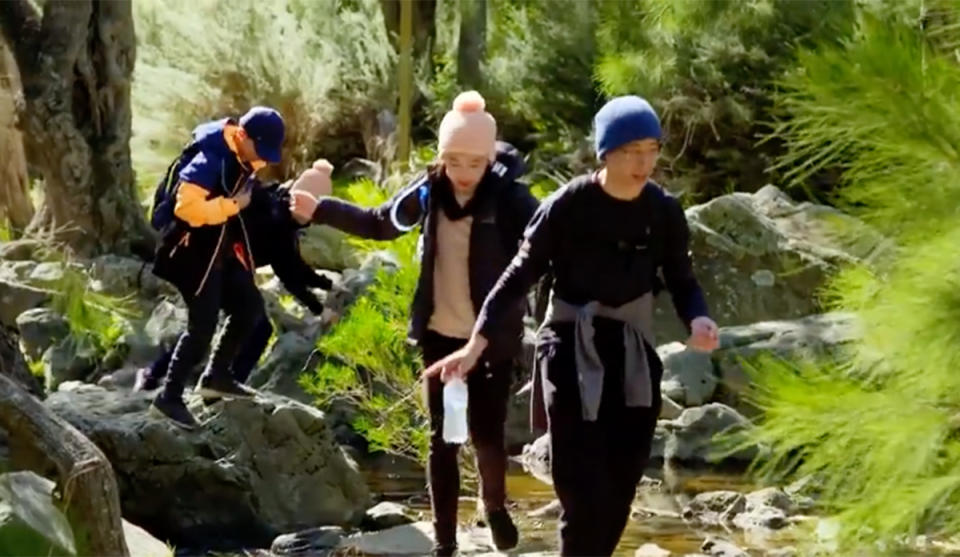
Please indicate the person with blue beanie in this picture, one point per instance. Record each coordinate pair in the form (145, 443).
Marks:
(605, 236)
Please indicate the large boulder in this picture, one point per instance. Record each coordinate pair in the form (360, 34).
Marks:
(692, 437)
(72, 358)
(253, 470)
(387, 514)
(281, 371)
(122, 276)
(809, 337)
(762, 256)
(16, 298)
(40, 328)
(354, 282)
(165, 323)
(30, 522)
(688, 375)
(413, 539)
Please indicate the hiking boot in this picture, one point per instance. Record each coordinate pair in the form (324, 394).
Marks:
(502, 529)
(145, 381)
(174, 410)
(444, 550)
(212, 387)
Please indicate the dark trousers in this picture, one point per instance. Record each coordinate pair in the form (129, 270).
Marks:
(488, 388)
(595, 466)
(242, 365)
(232, 289)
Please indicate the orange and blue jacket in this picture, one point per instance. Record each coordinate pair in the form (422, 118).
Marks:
(210, 225)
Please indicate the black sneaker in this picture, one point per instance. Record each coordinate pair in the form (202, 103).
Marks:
(145, 382)
(504, 533)
(211, 387)
(444, 550)
(174, 410)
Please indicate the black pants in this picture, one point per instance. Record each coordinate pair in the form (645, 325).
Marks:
(596, 466)
(242, 365)
(488, 388)
(232, 289)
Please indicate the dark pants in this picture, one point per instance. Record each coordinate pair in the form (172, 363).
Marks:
(596, 466)
(232, 289)
(242, 365)
(488, 388)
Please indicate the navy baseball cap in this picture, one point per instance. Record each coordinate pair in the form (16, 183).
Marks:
(265, 127)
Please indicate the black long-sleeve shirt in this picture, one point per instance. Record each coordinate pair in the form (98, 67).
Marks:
(602, 249)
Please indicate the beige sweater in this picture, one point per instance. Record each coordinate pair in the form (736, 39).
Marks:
(453, 314)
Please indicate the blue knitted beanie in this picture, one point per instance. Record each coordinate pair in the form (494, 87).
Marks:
(622, 120)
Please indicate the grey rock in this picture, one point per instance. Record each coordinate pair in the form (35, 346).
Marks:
(324, 247)
(30, 522)
(688, 375)
(813, 336)
(314, 542)
(48, 273)
(714, 508)
(253, 470)
(550, 510)
(536, 459)
(387, 514)
(691, 437)
(16, 298)
(41, 328)
(165, 324)
(651, 550)
(361, 168)
(280, 372)
(16, 271)
(762, 256)
(123, 276)
(70, 359)
(719, 548)
(414, 539)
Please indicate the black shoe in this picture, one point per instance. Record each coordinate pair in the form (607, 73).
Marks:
(505, 535)
(444, 550)
(174, 410)
(211, 387)
(145, 382)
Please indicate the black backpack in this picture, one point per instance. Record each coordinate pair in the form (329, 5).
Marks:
(165, 194)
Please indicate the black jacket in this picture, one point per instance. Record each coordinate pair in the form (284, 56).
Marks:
(497, 229)
(275, 241)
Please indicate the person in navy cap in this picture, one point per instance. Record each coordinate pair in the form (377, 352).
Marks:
(207, 254)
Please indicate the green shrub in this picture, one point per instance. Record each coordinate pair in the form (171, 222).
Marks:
(370, 365)
(326, 65)
(709, 67)
(878, 427)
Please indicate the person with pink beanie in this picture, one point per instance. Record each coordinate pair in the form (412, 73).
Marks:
(471, 211)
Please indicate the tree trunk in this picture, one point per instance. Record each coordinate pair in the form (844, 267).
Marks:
(14, 366)
(424, 25)
(470, 48)
(87, 482)
(75, 63)
(15, 206)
